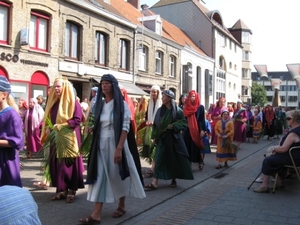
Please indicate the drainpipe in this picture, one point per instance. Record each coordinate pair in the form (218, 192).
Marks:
(134, 54)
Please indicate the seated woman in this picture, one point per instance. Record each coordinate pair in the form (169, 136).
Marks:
(280, 155)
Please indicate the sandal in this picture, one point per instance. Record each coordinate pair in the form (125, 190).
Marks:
(150, 186)
(59, 196)
(226, 164)
(70, 196)
(201, 165)
(118, 213)
(173, 183)
(41, 185)
(148, 174)
(218, 166)
(89, 220)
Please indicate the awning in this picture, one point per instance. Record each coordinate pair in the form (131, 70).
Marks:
(132, 90)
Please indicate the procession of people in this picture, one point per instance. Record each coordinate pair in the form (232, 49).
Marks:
(170, 135)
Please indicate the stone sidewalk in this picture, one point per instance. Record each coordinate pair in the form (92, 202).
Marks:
(213, 197)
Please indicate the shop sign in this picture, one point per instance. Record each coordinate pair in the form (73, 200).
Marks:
(9, 57)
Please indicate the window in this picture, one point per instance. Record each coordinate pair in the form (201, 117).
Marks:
(246, 73)
(4, 21)
(101, 48)
(220, 84)
(124, 54)
(172, 66)
(38, 34)
(158, 27)
(246, 37)
(158, 62)
(72, 41)
(246, 55)
(143, 53)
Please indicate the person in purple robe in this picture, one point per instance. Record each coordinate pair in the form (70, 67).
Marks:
(23, 107)
(240, 117)
(62, 109)
(11, 137)
(32, 126)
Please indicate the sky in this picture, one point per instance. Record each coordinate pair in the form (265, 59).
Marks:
(274, 25)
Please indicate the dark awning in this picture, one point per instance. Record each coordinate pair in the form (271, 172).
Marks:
(132, 90)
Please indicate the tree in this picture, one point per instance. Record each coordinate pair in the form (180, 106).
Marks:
(258, 94)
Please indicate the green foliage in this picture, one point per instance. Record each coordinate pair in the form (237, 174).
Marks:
(258, 94)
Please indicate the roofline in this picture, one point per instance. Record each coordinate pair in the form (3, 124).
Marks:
(158, 37)
(102, 12)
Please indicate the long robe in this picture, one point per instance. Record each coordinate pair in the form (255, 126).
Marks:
(10, 130)
(33, 141)
(64, 176)
(240, 127)
(171, 156)
(109, 187)
(225, 154)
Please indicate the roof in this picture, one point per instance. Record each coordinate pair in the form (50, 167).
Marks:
(205, 11)
(169, 31)
(240, 25)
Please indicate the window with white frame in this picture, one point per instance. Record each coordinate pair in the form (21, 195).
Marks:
(101, 48)
(143, 54)
(124, 54)
(4, 22)
(158, 27)
(246, 55)
(158, 62)
(220, 84)
(246, 73)
(72, 40)
(222, 40)
(38, 32)
(172, 66)
(246, 37)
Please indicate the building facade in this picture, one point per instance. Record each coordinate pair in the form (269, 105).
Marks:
(289, 92)
(207, 30)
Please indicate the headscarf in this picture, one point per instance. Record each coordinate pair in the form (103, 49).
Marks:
(37, 116)
(24, 103)
(130, 104)
(189, 111)
(4, 85)
(152, 109)
(118, 114)
(65, 109)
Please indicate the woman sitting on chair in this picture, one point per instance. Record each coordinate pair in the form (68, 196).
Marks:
(280, 154)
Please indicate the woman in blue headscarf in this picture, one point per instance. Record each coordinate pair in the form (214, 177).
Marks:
(111, 172)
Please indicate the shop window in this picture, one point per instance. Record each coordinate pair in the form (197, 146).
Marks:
(72, 41)
(101, 48)
(39, 29)
(4, 22)
(39, 84)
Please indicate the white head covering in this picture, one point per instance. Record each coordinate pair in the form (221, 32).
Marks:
(152, 108)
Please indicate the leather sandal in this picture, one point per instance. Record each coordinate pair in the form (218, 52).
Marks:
(89, 220)
(59, 196)
(218, 166)
(70, 197)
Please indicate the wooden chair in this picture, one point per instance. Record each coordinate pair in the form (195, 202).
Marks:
(293, 166)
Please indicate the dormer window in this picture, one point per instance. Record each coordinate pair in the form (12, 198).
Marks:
(153, 23)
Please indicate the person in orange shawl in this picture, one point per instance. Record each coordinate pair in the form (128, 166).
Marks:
(131, 135)
(269, 117)
(196, 128)
(63, 110)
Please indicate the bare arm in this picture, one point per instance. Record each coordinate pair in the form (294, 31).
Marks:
(291, 138)
(4, 143)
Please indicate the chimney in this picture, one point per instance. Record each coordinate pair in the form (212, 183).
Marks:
(135, 3)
